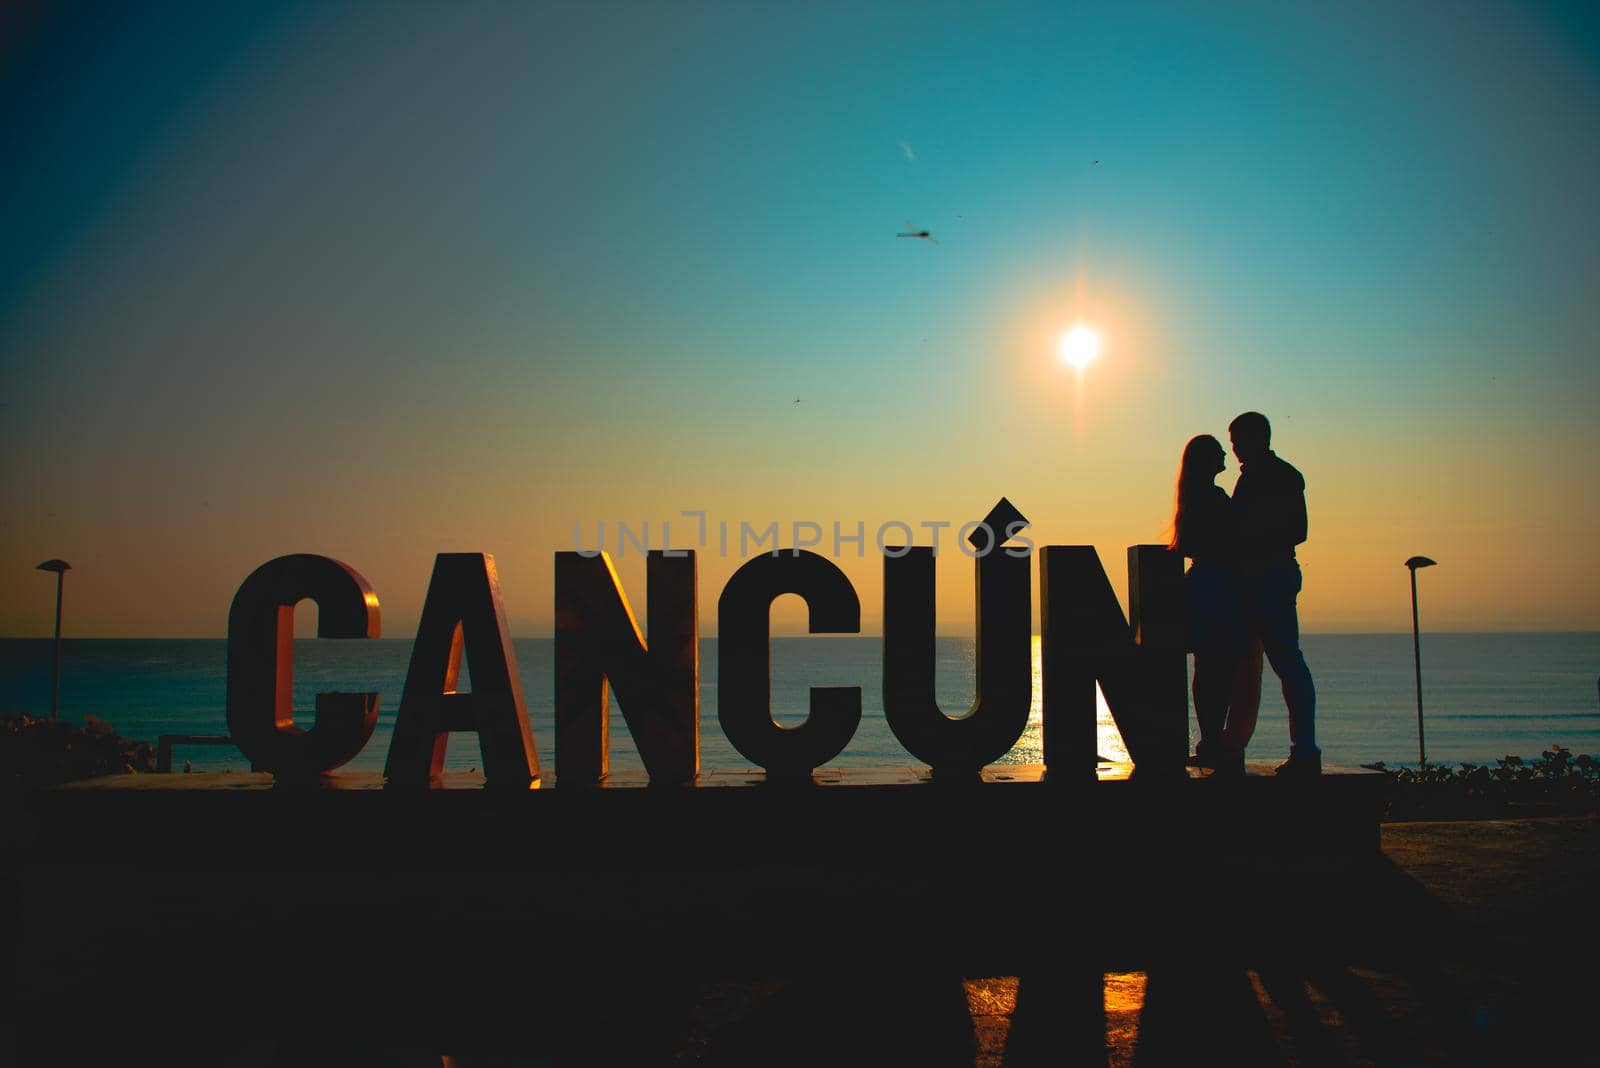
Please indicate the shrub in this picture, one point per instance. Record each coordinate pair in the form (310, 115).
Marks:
(1556, 781)
(38, 752)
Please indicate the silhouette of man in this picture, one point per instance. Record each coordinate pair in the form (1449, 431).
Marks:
(1270, 506)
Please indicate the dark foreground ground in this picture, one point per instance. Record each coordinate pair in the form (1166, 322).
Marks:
(1461, 943)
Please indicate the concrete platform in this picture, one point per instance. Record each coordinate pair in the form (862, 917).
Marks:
(868, 862)
(1456, 944)
(898, 818)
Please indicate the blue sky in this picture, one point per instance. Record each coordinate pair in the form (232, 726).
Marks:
(386, 280)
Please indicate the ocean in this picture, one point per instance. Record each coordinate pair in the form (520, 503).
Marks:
(1485, 696)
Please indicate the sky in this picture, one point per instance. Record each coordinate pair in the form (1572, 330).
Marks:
(379, 281)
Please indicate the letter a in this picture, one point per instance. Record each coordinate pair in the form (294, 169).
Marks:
(463, 610)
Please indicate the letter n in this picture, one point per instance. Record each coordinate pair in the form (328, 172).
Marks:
(1141, 667)
(598, 647)
(463, 611)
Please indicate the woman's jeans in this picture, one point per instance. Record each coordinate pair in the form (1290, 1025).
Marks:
(1216, 634)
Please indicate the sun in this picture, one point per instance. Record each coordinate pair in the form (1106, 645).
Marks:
(1080, 346)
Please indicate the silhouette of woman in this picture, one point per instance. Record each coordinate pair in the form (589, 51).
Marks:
(1204, 529)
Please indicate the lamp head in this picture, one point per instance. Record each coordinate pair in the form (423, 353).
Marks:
(57, 566)
(1420, 561)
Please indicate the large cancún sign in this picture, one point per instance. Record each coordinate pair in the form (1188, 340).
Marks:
(1138, 661)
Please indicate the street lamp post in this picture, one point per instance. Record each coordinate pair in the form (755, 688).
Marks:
(1416, 650)
(60, 567)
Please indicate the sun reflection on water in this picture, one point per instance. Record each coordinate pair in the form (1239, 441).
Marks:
(1030, 747)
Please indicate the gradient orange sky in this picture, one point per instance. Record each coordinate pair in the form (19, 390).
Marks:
(383, 282)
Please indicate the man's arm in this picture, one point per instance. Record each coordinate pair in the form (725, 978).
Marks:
(1283, 510)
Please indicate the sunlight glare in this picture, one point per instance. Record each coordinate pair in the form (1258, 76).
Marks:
(1080, 346)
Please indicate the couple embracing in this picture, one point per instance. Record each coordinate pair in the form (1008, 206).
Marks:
(1241, 590)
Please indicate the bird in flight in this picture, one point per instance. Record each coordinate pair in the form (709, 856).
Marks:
(911, 230)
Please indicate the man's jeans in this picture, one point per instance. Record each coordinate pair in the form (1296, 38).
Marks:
(1272, 626)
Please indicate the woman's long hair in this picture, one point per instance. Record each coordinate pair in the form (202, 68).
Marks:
(1195, 475)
